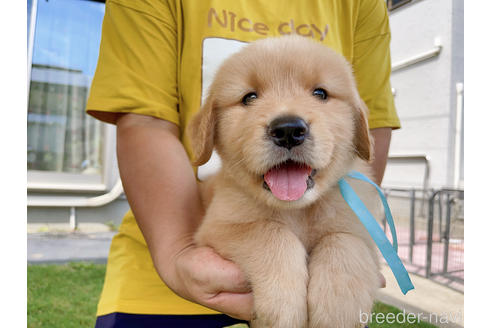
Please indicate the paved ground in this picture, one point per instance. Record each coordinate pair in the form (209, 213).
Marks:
(56, 244)
(438, 304)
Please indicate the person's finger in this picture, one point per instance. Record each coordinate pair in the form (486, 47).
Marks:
(223, 275)
(229, 278)
(382, 281)
(236, 305)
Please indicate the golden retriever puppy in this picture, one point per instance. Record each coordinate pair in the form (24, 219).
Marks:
(287, 121)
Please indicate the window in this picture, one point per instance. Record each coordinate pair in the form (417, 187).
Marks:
(62, 141)
(393, 4)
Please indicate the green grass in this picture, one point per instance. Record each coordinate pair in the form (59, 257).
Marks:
(393, 320)
(63, 296)
(66, 296)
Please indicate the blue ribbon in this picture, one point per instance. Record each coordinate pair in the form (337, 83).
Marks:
(389, 252)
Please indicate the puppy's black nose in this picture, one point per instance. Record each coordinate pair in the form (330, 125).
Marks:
(288, 131)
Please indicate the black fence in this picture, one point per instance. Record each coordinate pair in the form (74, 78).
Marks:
(430, 232)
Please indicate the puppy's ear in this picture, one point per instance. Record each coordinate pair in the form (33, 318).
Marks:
(201, 131)
(362, 137)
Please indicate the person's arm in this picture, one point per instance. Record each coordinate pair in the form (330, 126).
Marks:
(163, 194)
(382, 139)
(371, 61)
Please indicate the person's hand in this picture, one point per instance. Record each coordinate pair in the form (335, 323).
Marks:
(200, 275)
(382, 281)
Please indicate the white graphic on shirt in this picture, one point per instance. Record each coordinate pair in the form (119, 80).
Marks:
(215, 51)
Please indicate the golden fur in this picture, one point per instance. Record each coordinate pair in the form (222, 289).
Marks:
(310, 261)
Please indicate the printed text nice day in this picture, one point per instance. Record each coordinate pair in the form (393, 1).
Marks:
(229, 20)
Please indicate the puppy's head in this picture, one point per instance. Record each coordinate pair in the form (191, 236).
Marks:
(286, 119)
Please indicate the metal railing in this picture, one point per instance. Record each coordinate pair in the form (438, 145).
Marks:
(450, 197)
(430, 245)
(73, 202)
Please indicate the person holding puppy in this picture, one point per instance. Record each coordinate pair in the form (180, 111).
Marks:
(156, 61)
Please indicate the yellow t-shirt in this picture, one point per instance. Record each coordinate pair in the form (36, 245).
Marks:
(157, 58)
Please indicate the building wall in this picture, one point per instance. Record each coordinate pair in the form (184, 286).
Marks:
(425, 94)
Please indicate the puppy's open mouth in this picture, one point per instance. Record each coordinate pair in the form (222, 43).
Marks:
(289, 180)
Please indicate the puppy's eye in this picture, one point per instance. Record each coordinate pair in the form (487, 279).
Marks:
(248, 98)
(320, 93)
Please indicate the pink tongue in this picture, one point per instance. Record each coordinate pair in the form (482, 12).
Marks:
(288, 181)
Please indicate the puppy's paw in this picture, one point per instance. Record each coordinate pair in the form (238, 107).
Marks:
(338, 306)
(343, 281)
(281, 315)
(281, 299)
